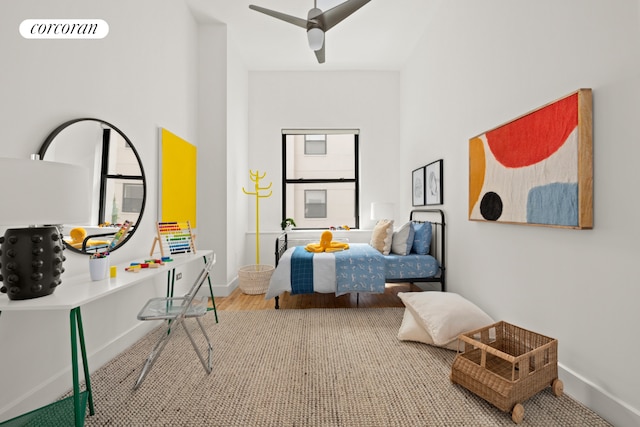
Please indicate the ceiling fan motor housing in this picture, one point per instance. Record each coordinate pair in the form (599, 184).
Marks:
(315, 29)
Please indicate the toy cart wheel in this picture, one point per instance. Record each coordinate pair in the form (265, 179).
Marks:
(517, 414)
(557, 387)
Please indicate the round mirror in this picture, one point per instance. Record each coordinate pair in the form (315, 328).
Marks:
(118, 183)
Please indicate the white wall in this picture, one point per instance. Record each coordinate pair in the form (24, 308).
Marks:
(143, 75)
(212, 156)
(222, 156)
(237, 164)
(480, 64)
(368, 101)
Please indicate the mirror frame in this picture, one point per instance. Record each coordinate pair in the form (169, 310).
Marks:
(49, 140)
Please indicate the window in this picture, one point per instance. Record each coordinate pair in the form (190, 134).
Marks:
(315, 145)
(132, 195)
(315, 203)
(320, 178)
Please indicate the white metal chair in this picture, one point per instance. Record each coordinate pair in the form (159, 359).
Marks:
(175, 310)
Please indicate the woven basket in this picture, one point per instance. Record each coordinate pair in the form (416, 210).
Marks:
(254, 279)
(508, 369)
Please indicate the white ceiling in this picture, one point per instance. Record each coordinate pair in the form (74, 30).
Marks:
(379, 36)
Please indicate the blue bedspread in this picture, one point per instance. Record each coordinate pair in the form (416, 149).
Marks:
(301, 271)
(359, 269)
(412, 266)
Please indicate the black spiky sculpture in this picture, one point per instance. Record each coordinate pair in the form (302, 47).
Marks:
(31, 262)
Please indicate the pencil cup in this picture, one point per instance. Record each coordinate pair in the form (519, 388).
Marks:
(98, 268)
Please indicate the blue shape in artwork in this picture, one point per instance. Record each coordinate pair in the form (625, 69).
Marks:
(553, 204)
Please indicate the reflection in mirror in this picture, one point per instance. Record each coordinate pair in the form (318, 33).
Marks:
(118, 182)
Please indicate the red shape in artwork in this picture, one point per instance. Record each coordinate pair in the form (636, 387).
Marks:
(536, 136)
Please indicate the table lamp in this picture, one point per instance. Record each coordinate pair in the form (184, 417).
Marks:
(382, 210)
(35, 197)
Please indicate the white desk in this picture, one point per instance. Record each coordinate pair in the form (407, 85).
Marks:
(76, 291)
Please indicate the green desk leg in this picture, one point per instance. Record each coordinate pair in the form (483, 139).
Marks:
(171, 280)
(77, 332)
(213, 300)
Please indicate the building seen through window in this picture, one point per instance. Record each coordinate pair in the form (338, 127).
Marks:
(121, 184)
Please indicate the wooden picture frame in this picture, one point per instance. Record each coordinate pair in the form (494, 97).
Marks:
(417, 187)
(433, 183)
(538, 168)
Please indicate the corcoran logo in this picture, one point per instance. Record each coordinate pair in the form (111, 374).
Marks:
(64, 29)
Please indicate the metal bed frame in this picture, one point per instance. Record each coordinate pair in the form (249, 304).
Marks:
(437, 249)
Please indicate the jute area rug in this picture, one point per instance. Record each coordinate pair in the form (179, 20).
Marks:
(314, 367)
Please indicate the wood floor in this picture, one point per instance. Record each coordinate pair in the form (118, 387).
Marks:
(238, 301)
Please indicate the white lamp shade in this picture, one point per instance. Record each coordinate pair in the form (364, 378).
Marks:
(382, 210)
(36, 192)
(315, 36)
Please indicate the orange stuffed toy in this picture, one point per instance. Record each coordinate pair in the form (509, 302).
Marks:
(326, 244)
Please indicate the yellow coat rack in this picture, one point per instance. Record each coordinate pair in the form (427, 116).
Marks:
(256, 177)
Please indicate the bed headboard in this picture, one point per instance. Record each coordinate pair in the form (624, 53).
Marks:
(437, 249)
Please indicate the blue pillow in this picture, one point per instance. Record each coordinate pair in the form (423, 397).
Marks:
(421, 238)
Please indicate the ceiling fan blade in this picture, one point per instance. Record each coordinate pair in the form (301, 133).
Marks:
(320, 54)
(335, 15)
(282, 16)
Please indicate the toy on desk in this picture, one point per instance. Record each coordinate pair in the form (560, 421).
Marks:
(120, 234)
(135, 267)
(174, 238)
(326, 244)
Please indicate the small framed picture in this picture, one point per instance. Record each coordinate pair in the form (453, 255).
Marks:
(417, 187)
(433, 183)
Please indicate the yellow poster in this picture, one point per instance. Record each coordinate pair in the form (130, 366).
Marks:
(178, 159)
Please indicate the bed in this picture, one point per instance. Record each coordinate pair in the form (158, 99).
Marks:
(361, 268)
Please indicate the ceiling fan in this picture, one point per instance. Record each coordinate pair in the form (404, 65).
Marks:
(317, 22)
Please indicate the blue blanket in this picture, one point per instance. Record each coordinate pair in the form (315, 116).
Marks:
(359, 269)
(301, 271)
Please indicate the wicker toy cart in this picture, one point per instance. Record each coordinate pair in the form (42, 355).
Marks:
(506, 365)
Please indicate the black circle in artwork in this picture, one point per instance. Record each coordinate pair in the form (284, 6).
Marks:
(491, 206)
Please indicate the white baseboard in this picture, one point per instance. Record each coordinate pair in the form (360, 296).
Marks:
(612, 409)
(220, 290)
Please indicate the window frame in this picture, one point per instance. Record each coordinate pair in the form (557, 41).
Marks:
(106, 177)
(356, 170)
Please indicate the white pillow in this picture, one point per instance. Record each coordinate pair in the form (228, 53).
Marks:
(382, 235)
(411, 330)
(444, 315)
(402, 240)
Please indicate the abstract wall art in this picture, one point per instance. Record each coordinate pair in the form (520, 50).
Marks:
(178, 173)
(536, 169)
